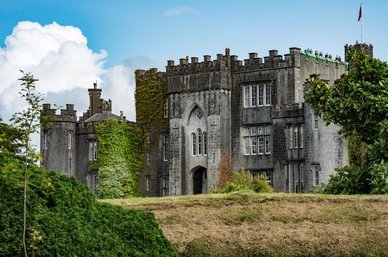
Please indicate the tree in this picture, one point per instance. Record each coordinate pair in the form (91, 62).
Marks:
(27, 123)
(358, 102)
(10, 140)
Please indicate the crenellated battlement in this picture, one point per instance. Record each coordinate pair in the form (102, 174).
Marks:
(64, 115)
(143, 73)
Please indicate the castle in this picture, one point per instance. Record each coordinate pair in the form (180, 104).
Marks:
(250, 111)
(68, 145)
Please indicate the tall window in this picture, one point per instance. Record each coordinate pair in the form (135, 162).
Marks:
(301, 136)
(296, 136)
(317, 176)
(204, 143)
(92, 151)
(194, 141)
(254, 95)
(45, 140)
(257, 140)
(165, 148)
(166, 109)
(246, 96)
(267, 93)
(69, 138)
(257, 95)
(261, 96)
(199, 141)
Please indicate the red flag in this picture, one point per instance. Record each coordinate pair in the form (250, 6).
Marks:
(360, 13)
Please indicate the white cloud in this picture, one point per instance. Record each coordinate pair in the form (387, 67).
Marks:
(65, 66)
(119, 85)
(179, 10)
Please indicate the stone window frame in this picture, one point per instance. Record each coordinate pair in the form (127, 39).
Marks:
(257, 94)
(93, 150)
(194, 143)
(204, 143)
(293, 181)
(296, 136)
(257, 139)
(200, 142)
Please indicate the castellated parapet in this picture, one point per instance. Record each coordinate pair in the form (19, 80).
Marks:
(68, 145)
(251, 111)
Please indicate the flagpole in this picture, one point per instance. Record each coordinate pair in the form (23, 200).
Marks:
(362, 21)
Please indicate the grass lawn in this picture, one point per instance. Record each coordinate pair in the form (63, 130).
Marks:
(250, 224)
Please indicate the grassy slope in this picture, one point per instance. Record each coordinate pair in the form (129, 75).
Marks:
(248, 224)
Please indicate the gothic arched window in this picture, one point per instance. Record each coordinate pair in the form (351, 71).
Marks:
(199, 141)
(194, 140)
(204, 143)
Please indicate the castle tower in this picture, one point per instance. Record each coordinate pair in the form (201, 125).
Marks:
(57, 139)
(363, 47)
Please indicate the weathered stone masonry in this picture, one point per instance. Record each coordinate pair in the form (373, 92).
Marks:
(252, 110)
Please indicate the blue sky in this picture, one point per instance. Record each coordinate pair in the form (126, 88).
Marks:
(150, 32)
(70, 44)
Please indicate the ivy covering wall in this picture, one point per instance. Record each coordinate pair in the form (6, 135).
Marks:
(120, 159)
(150, 97)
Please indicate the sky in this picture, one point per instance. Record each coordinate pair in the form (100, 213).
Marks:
(70, 44)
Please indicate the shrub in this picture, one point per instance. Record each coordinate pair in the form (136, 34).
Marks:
(260, 185)
(241, 181)
(349, 180)
(65, 219)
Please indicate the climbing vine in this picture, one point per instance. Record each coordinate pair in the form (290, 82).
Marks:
(120, 159)
(150, 97)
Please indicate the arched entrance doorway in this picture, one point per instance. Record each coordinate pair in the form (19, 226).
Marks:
(199, 180)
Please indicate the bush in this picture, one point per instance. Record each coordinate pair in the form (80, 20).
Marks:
(241, 181)
(65, 219)
(349, 180)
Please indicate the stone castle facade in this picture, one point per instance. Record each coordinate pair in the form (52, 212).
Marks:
(252, 111)
(68, 145)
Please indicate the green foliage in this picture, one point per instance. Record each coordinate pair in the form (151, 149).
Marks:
(357, 150)
(120, 159)
(358, 103)
(241, 181)
(349, 180)
(10, 140)
(64, 219)
(150, 97)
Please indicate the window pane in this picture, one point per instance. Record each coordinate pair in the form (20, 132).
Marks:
(204, 143)
(194, 139)
(261, 145)
(301, 136)
(290, 140)
(199, 141)
(267, 145)
(254, 95)
(261, 95)
(246, 96)
(254, 145)
(247, 146)
(253, 131)
(267, 94)
(296, 137)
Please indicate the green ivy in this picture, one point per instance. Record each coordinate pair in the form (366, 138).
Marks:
(150, 97)
(120, 159)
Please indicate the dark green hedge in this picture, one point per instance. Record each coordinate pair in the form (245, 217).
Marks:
(64, 219)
